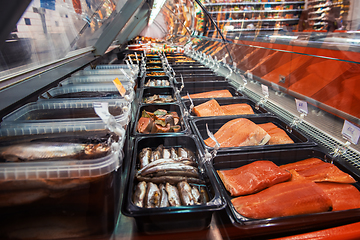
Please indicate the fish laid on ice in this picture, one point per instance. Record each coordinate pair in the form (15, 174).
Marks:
(139, 195)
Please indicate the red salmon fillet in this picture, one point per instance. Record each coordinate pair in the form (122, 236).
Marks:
(252, 177)
(343, 196)
(278, 136)
(237, 109)
(284, 199)
(316, 170)
(239, 132)
(211, 94)
(209, 108)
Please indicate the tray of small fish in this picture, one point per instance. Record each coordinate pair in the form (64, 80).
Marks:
(158, 95)
(168, 190)
(244, 133)
(76, 113)
(54, 181)
(210, 89)
(209, 107)
(160, 119)
(161, 81)
(89, 91)
(155, 74)
(282, 191)
(92, 79)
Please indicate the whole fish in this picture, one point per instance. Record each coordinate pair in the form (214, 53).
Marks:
(48, 150)
(164, 200)
(144, 157)
(160, 149)
(195, 193)
(170, 179)
(139, 194)
(173, 195)
(155, 163)
(204, 197)
(152, 197)
(169, 167)
(185, 193)
(174, 173)
(155, 155)
(166, 153)
(173, 154)
(186, 153)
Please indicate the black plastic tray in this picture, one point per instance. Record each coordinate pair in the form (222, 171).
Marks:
(198, 78)
(185, 63)
(147, 78)
(261, 227)
(175, 107)
(189, 66)
(222, 101)
(171, 219)
(150, 91)
(199, 87)
(192, 72)
(215, 123)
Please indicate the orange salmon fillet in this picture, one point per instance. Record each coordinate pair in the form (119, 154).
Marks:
(239, 132)
(209, 108)
(278, 136)
(284, 199)
(211, 94)
(252, 177)
(237, 109)
(316, 170)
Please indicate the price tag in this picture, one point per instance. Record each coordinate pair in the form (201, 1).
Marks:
(250, 75)
(301, 106)
(119, 87)
(351, 132)
(102, 110)
(265, 89)
(137, 60)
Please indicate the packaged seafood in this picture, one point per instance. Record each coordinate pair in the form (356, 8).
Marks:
(66, 113)
(203, 87)
(223, 102)
(216, 123)
(158, 81)
(160, 119)
(329, 205)
(57, 186)
(183, 206)
(89, 91)
(155, 73)
(158, 95)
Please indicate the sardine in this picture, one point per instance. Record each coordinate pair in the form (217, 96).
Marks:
(166, 153)
(195, 193)
(170, 179)
(155, 155)
(169, 167)
(144, 157)
(174, 173)
(188, 162)
(164, 200)
(204, 198)
(173, 154)
(160, 149)
(182, 153)
(185, 194)
(155, 163)
(139, 194)
(48, 150)
(152, 197)
(173, 195)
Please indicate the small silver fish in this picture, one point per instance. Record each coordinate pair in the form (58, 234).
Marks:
(139, 195)
(173, 154)
(144, 157)
(164, 200)
(166, 153)
(155, 163)
(195, 193)
(173, 195)
(178, 166)
(185, 193)
(152, 197)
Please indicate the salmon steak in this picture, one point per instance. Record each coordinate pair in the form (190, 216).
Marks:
(316, 170)
(237, 109)
(344, 196)
(210, 94)
(278, 136)
(239, 132)
(284, 199)
(252, 177)
(209, 108)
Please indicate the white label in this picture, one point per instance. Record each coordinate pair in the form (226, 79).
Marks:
(102, 110)
(351, 132)
(301, 106)
(265, 89)
(127, 76)
(250, 75)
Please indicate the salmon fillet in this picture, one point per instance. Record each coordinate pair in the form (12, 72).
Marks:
(343, 196)
(284, 199)
(278, 136)
(211, 94)
(239, 132)
(316, 170)
(209, 108)
(252, 177)
(237, 109)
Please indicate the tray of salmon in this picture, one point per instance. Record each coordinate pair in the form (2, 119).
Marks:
(168, 189)
(291, 190)
(157, 81)
(208, 107)
(239, 133)
(158, 95)
(160, 119)
(210, 89)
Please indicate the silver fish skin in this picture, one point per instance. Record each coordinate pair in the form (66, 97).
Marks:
(152, 197)
(47, 150)
(182, 153)
(139, 195)
(204, 197)
(174, 173)
(160, 149)
(196, 194)
(166, 153)
(170, 179)
(173, 195)
(155, 163)
(155, 155)
(185, 193)
(158, 83)
(168, 167)
(173, 154)
(144, 157)
(164, 200)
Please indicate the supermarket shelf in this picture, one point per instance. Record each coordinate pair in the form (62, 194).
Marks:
(254, 3)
